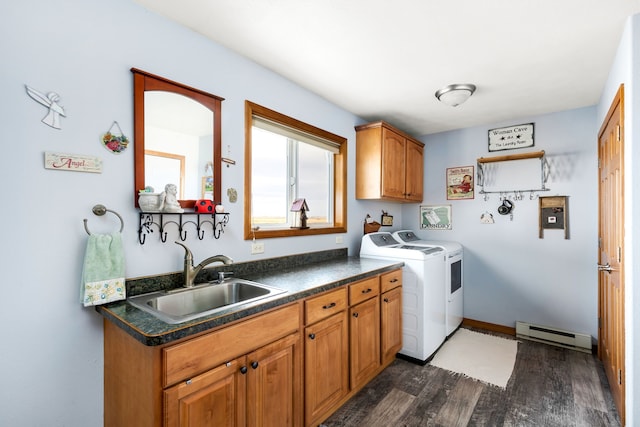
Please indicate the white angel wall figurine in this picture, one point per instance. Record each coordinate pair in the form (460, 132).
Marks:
(50, 101)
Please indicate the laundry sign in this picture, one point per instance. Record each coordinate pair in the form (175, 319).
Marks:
(512, 137)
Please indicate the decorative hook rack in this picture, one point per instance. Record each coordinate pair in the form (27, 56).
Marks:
(148, 222)
(517, 194)
(100, 210)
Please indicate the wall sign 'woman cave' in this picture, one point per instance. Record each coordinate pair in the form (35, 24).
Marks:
(512, 137)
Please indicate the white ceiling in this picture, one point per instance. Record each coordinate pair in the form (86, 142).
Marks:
(384, 60)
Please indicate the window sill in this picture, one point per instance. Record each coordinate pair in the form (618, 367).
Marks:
(290, 232)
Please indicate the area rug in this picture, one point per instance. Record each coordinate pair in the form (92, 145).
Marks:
(484, 357)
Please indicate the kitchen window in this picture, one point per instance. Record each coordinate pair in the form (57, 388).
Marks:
(286, 159)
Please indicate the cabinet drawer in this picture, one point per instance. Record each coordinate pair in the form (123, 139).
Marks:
(325, 305)
(363, 290)
(183, 361)
(390, 280)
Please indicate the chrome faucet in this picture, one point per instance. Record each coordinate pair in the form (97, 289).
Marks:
(190, 272)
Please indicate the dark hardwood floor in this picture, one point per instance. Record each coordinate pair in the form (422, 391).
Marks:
(550, 386)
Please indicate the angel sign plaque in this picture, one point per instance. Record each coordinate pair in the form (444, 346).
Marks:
(50, 100)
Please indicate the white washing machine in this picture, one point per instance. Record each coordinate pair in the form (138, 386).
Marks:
(423, 308)
(454, 285)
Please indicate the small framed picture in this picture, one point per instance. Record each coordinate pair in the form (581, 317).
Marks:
(207, 187)
(386, 220)
(460, 183)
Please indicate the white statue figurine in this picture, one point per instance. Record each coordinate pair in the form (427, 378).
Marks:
(170, 199)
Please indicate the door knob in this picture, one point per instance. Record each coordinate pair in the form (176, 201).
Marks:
(605, 267)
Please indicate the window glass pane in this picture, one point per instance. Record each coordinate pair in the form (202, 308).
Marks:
(284, 170)
(314, 182)
(269, 204)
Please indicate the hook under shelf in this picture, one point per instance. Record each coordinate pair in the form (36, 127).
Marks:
(149, 220)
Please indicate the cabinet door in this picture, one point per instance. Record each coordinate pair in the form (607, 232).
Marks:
(365, 341)
(215, 398)
(391, 324)
(415, 171)
(393, 164)
(274, 384)
(326, 365)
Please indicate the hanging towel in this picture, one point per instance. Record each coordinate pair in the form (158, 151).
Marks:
(103, 270)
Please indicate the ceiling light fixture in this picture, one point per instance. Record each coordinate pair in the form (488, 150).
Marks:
(455, 95)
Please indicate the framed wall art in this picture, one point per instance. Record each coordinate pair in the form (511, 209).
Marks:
(460, 183)
(207, 187)
(512, 137)
(435, 217)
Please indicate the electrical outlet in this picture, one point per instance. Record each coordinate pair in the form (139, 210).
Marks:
(257, 248)
(339, 239)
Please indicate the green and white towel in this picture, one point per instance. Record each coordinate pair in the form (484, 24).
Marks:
(103, 270)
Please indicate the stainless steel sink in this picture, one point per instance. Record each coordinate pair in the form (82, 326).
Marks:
(185, 304)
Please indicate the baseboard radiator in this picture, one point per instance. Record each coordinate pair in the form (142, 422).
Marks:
(554, 336)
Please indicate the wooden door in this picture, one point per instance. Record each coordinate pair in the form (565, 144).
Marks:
(393, 164)
(215, 398)
(274, 384)
(611, 343)
(326, 365)
(390, 324)
(364, 340)
(415, 171)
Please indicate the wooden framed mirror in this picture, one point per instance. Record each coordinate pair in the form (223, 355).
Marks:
(182, 122)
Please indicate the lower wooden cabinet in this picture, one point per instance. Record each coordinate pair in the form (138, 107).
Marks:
(215, 398)
(326, 366)
(251, 373)
(274, 384)
(364, 323)
(346, 350)
(391, 324)
(259, 389)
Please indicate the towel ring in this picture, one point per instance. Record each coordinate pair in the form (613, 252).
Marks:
(101, 210)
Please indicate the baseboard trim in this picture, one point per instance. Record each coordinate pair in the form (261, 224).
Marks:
(493, 327)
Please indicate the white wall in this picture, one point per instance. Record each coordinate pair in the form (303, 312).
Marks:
(51, 349)
(510, 273)
(624, 70)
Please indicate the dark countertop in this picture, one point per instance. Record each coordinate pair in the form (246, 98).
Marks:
(300, 280)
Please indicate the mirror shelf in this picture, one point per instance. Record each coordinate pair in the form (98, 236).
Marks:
(159, 221)
(159, 126)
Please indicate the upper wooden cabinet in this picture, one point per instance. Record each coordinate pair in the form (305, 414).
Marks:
(389, 164)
